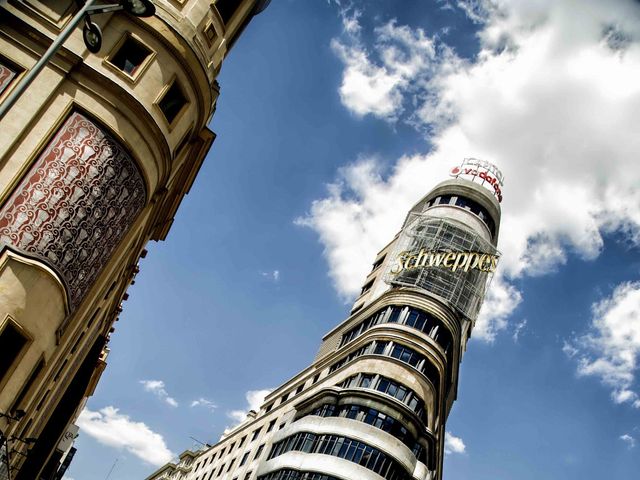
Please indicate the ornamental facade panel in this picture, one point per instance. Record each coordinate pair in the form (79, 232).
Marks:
(6, 76)
(73, 208)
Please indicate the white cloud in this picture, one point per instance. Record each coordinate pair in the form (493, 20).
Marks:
(547, 98)
(518, 329)
(203, 402)
(273, 275)
(612, 349)
(157, 387)
(255, 398)
(629, 440)
(453, 444)
(569, 350)
(117, 430)
(379, 88)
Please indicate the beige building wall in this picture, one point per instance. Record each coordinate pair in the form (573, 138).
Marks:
(66, 259)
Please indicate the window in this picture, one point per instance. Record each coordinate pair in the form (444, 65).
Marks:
(42, 400)
(210, 34)
(356, 309)
(226, 9)
(379, 262)
(242, 441)
(299, 389)
(248, 476)
(282, 425)
(259, 451)
(77, 344)
(172, 102)
(271, 425)
(60, 370)
(231, 464)
(131, 55)
(367, 286)
(268, 408)
(12, 341)
(256, 432)
(27, 386)
(245, 457)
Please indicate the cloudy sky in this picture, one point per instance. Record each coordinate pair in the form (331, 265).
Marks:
(334, 118)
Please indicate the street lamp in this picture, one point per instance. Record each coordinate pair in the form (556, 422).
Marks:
(5, 461)
(90, 33)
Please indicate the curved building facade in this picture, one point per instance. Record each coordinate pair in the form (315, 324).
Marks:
(95, 159)
(375, 401)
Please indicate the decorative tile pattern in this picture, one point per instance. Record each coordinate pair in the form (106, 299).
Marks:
(6, 76)
(76, 204)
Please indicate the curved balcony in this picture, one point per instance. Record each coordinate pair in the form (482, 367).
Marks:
(346, 445)
(397, 348)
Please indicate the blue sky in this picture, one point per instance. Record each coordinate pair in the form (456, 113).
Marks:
(333, 119)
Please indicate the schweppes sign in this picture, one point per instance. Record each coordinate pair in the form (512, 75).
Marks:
(455, 261)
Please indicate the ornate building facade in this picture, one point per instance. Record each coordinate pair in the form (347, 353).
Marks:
(95, 159)
(375, 401)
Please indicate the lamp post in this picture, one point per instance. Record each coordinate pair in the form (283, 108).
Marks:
(90, 33)
(5, 464)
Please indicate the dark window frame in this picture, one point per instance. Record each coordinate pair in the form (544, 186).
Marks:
(131, 68)
(8, 365)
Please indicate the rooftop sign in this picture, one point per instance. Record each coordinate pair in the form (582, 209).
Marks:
(485, 171)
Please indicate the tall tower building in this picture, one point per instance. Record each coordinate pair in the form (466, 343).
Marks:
(95, 158)
(375, 401)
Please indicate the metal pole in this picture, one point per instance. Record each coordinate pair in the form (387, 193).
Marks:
(33, 72)
(4, 441)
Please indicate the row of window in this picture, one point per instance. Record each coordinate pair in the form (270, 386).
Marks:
(14, 342)
(291, 393)
(388, 387)
(246, 477)
(342, 447)
(288, 474)
(130, 57)
(216, 473)
(254, 435)
(412, 317)
(467, 204)
(395, 350)
(377, 419)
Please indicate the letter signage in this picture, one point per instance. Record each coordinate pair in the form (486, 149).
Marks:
(485, 171)
(454, 261)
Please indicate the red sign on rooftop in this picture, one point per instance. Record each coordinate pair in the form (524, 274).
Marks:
(481, 171)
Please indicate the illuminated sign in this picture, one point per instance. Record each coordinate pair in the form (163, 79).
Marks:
(455, 261)
(485, 171)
